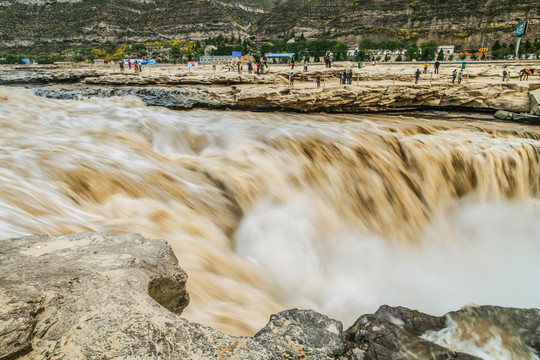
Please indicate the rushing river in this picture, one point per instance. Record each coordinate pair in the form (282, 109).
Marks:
(268, 211)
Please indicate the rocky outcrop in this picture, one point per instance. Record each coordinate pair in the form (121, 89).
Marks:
(45, 74)
(101, 296)
(401, 333)
(509, 97)
(96, 296)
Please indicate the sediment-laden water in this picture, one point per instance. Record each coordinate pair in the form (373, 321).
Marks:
(267, 211)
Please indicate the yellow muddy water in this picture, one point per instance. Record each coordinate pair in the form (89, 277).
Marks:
(268, 211)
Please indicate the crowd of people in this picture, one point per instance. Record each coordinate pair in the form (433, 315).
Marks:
(260, 66)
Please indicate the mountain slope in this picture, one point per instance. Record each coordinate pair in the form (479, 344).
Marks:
(43, 25)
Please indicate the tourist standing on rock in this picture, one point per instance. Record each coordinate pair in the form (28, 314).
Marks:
(129, 64)
(508, 76)
(239, 68)
(437, 64)
(250, 67)
(326, 61)
(505, 73)
(122, 65)
(460, 77)
(426, 65)
(292, 63)
(291, 79)
(318, 80)
(305, 65)
(342, 77)
(350, 76)
(454, 75)
(265, 63)
(258, 68)
(262, 68)
(417, 75)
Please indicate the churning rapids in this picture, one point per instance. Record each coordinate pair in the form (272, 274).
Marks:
(267, 211)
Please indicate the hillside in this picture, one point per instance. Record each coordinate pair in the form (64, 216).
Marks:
(46, 25)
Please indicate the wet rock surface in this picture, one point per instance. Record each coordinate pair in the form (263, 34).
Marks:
(511, 97)
(100, 296)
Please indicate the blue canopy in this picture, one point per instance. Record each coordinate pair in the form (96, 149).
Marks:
(279, 55)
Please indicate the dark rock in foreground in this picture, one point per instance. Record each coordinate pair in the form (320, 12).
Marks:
(101, 296)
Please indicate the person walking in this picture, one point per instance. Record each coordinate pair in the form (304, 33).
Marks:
(454, 75)
(460, 77)
(417, 75)
(318, 80)
(426, 65)
(437, 64)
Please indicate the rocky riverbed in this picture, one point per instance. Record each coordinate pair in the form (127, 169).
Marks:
(373, 88)
(102, 296)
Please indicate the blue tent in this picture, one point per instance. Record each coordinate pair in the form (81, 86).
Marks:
(26, 61)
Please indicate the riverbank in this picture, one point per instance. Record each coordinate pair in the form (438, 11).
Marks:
(385, 87)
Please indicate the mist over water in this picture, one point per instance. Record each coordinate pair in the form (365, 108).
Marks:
(338, 213)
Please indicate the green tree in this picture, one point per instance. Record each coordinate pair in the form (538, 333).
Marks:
(496, 46)
(367, 44)
(429, 49)
(440, 57)
(175, 51)
(399, 58)
(138, 47)
(267, 48)
(528, 45)
(393, 45)
(412, 52)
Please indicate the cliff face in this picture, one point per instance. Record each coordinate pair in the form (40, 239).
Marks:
(450, 21)
(53, 24)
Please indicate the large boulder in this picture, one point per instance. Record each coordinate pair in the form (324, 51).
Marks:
(102, 296)
(534, 96)
(487, 331)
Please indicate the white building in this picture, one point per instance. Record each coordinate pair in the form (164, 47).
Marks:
(448, 49)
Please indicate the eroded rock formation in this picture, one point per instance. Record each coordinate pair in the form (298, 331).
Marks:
(101, 296)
